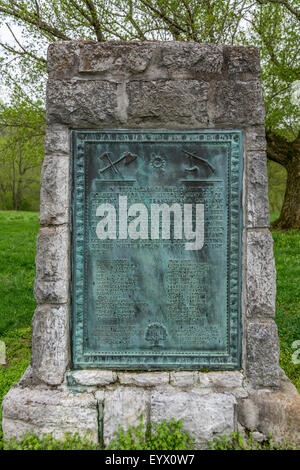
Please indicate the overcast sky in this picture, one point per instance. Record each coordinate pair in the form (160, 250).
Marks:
(5, 34)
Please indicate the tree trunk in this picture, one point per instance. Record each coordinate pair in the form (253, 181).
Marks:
(287, 154)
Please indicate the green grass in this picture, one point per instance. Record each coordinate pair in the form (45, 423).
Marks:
(17, 271)
(287, 257)
(18, 232)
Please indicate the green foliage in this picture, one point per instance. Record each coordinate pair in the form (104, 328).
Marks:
(47, 442)
(277, 181)
(272, 26)
(21, 153)
(275, 30)
(236, 441)
(164, 436)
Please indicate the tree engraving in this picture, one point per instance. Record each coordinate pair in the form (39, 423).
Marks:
(156, 333)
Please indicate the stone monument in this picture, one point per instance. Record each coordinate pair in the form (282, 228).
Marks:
(155, 277)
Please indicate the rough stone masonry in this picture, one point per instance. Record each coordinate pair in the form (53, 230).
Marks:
(152, 85)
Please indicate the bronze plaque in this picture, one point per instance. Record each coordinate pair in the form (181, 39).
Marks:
(156, 249)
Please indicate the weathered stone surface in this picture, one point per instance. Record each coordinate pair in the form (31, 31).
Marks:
(221, 380)
(82, 103)
(184, 378)
(147, 379)
(94, 377)
(124, 406)
(63, 59)
(54, 202)
(168, 103)
(261, 274)
(99, 395)
(238, 103)
(50, 348)
(204, 416)
(57, 140)
(242, 61)
(116, 58)
(257, 190)
(191, 59)
(150, 60)
(275, 412)
(52, 265)
(262, 361)
(255, 139)
(47, 411)
(29, 379)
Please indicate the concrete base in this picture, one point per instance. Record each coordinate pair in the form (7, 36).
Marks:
(211, 405)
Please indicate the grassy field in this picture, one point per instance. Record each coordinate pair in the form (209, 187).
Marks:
(17, 251)
(18, 232)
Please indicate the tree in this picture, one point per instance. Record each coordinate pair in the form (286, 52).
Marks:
(280, 150)
(275, 28)
(272, 25)
(21, 151)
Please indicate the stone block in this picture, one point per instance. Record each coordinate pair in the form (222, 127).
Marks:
(124, 406)
(82, 103)
(57, 140)
(52, 265)
(50, 348)
(238, 103)
(242, 61)
(223, 380)
(45, 411)
(94, 377)
(261, 275)
(184, 378)
(143, 379)
(262, 354)
(255, 139)
(257, 190)
(273, 412)
(116, 59)
(63, 59)
(168, 103)
(204, 416)
(191, 60)
(54, 201)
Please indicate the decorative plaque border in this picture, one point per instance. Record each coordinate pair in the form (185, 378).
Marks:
(149, 360)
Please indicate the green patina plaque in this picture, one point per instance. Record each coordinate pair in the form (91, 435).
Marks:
(156, 249)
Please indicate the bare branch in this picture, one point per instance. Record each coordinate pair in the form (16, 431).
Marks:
(141, 35)
(174, 27)
(34, 20)
(25, 52)
(94, 20)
